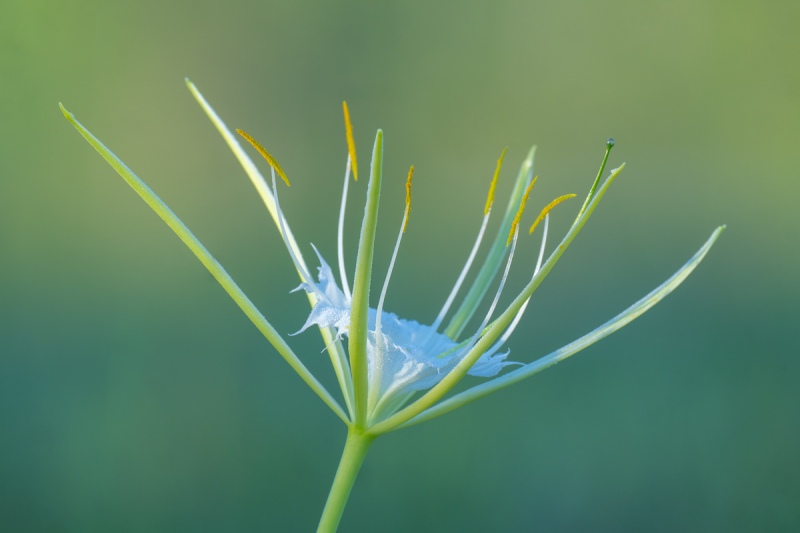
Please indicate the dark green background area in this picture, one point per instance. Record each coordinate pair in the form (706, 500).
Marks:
(135, 396)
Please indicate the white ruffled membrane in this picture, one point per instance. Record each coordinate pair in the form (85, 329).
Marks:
(405, 356)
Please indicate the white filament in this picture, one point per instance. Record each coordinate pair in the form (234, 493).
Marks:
(479, 332)
(389, 275)
(544, 243)
(507, 334)
(462, 276)
(342, 272)
(282, 224)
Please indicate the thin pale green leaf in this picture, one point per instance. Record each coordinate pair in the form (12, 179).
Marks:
(213, 266)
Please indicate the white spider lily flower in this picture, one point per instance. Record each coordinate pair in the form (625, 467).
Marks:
(389, 360)
(404, 356)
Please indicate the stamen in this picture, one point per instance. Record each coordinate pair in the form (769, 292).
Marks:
(515, 223)
(351, 143)
(408, 197)
(462, 276)
(263, 151)
(340, 233)
(490, 196)
(511, 327)
(549, 207)
(394, 254)
(496, 299)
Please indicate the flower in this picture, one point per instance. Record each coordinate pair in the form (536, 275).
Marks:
(403, 356)
(389, 360)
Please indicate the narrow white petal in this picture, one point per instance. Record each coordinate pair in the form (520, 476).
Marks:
(619, 321)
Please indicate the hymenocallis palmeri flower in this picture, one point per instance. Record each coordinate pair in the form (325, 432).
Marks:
(395, 372)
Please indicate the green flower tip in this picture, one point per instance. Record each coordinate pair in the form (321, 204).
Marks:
(191, 86)
(528, 163)
(67, 114)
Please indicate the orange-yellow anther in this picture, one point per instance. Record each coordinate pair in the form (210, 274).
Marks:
(521, 209)
(549, 208)
(408, 197)
(263, 151)
(490, 197)
(351, 143)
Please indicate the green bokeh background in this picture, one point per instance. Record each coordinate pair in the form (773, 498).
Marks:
(134, 395)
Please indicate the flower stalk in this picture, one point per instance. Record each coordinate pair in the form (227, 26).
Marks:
(394, 372)
(355, 451)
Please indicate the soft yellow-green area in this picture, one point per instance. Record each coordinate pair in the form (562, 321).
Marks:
(134, 396)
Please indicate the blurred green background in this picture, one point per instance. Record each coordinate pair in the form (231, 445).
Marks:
(134, 395)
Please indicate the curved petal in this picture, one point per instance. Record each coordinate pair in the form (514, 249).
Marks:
(619, 321)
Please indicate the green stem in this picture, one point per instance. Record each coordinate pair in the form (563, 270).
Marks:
(355, 450)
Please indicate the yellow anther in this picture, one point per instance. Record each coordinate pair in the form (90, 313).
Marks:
(549, 208)
(517, 218)
(408, 197)
(351, 143)
(263, 151)
(490, 197)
